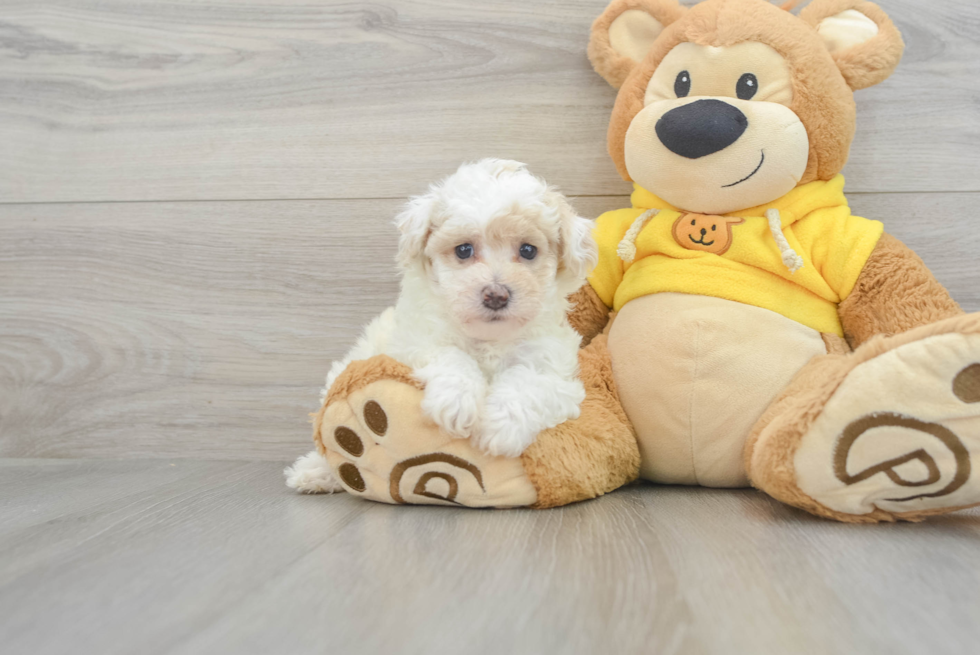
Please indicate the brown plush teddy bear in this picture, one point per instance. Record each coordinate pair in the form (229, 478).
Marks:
(742, 327)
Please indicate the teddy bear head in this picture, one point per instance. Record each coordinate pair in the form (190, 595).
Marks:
(731, 104)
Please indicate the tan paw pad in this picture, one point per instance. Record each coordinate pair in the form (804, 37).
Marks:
(966, 386)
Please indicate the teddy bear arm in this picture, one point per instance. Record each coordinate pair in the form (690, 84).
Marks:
(588, 314)
(894, 293)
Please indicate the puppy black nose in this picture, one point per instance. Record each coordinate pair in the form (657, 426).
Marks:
(495, 297)
(701, 128)
(704, 232)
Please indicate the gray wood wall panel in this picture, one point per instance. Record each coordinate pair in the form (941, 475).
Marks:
(150, 100)
(204, 329)
(190, 557)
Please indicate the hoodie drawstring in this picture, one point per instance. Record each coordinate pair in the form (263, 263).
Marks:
(627, 247)
(791, 259)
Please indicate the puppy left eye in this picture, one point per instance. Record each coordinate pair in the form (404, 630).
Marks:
(528, 251)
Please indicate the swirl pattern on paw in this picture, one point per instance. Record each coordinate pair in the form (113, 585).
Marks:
(901, 432)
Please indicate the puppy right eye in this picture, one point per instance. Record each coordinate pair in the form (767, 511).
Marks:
(464, 251)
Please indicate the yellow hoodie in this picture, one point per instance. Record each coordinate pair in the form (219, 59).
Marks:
(818, 226)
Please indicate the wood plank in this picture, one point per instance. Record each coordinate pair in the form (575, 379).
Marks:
(185, 329)
(205, 329)
(218, 557)
(140, 100)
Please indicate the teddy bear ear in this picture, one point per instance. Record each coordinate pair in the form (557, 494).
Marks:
(624, 33)
(861, 38)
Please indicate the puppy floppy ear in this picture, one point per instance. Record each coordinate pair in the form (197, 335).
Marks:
(415, 224)
(623, 34)
(577, 250)
(861, 38)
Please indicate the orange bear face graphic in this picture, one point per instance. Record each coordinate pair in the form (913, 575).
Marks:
(705, 233)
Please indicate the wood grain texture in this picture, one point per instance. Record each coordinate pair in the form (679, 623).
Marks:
(218, 557)
(131, 329)
(205, 329)
(151, 100)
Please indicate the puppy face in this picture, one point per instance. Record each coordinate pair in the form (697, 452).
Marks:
(496, 274)
(497, 245)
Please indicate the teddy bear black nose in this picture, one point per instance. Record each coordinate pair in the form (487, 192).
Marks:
(701, 128)
(495, 297)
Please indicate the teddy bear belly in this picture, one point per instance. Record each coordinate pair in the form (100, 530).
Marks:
(695, 373)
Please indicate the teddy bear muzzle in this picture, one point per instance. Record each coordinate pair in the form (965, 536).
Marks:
(701, 128)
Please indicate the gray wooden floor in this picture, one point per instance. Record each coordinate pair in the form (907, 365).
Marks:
(217, 557)
(195, 207)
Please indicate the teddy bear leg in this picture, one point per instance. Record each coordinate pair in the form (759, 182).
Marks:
(888, 432)
(380, 446)
(593, 454)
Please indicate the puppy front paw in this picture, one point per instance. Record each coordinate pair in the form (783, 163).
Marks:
(454, 403)
(311, 474)
(508, 429)
(504, 439)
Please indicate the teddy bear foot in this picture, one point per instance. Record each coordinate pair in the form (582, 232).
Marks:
(898, 437)
(381, 446)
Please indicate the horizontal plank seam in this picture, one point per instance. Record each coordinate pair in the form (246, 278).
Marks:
(351, 199)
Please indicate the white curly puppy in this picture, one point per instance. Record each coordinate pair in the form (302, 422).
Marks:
(489, 257)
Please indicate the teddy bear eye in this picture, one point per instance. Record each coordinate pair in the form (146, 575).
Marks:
(747, 86)
(464, 251)
(682, 85)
